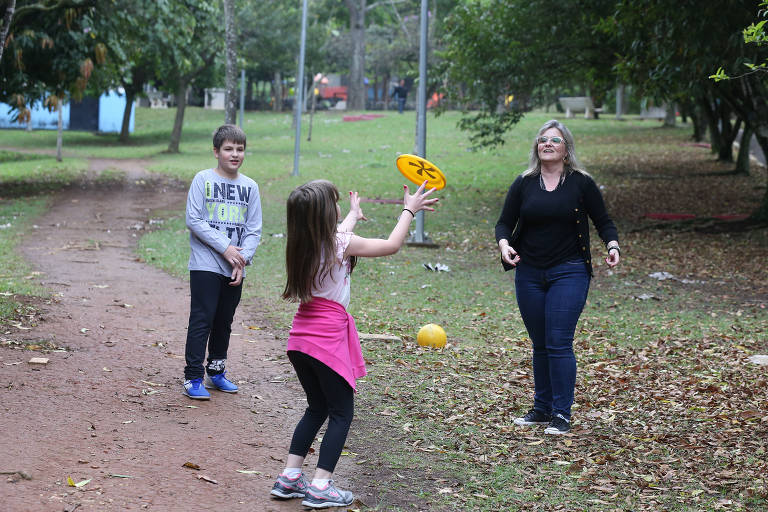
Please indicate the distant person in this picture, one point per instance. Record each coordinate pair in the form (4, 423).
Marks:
(543, 232)
(400, 93)
(323, 345)
(224, 220)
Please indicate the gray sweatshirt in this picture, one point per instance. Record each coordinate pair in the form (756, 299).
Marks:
(222, 212)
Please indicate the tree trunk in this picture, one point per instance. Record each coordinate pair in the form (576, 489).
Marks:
(60, 131)
(748, 96)
(277, 90)
(230, 94)
(708, 112)
(6, 26)
(356, 89)
(312, 111)
(761, 214)
(727, 132)
(671, 117)
(698, 121)
(130, 96)
(385, 91)
(742, 161)
(178, 123)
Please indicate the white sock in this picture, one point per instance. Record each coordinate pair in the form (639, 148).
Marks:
(292, 472)
(320, 483)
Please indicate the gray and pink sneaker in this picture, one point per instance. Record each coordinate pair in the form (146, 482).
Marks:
(330, 496)
(286, 487)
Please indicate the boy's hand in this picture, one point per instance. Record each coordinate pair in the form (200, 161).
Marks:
(233, 256)
(237, 276)
(354, 206)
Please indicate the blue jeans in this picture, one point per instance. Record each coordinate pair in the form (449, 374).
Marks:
(400, 104)
(550, 302)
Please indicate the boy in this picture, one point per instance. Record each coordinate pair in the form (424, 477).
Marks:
(224, 220)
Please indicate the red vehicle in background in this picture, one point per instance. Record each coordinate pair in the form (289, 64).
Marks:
(333, 94)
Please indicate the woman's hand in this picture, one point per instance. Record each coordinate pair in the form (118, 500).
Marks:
(508, 254)
(419, 200)
(613, 257)
(354, 207)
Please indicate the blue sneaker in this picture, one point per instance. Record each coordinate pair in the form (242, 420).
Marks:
(290, 487)
(194, 389)
(220, 382)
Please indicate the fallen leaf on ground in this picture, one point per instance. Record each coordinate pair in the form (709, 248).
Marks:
(79, 484)
(207, 479)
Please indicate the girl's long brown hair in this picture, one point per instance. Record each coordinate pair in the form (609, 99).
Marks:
(311, 218)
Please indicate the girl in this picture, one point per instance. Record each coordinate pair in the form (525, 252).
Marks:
(323, 345)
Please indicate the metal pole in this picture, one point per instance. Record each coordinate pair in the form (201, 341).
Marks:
(421, 110)
(242, 96)
(619, 101)
(299, 99)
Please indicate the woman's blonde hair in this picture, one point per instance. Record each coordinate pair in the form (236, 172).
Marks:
(310, 248)
(571, 162)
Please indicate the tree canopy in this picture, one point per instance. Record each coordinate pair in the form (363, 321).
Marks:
(51, 50)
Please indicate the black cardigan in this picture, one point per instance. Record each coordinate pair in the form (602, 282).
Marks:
(590, 200)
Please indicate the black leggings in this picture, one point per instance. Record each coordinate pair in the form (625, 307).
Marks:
(329, 396)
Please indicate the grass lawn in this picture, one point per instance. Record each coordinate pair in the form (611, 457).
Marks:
(669, 414)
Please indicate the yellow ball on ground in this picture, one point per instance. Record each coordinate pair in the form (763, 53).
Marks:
(431, 335)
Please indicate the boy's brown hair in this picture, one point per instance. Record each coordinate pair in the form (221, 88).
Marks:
(228, 132)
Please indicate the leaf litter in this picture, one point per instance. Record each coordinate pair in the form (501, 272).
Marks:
(652, 425)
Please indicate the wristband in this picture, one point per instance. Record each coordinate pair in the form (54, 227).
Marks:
(614, 247)
(409, 211)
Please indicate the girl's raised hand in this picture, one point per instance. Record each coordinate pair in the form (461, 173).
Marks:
(354, 206)
(419, 200)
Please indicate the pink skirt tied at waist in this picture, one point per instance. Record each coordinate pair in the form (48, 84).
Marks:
(324, 330)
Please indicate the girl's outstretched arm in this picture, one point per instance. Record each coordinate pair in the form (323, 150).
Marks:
(355, 213)
(372, 247)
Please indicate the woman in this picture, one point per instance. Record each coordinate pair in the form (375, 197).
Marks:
(543, 233)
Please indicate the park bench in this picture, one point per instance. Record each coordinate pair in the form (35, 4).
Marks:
(157, 99)
(654, 112)
(573, 104)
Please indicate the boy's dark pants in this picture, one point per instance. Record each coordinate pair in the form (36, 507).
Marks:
(212, 308)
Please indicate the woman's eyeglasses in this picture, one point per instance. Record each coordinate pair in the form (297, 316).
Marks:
(553, 140)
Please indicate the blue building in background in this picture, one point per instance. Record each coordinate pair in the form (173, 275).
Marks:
(103, 114)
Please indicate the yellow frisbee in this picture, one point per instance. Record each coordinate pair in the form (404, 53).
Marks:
(418, 169)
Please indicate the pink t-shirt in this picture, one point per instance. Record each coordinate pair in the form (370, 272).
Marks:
(335, 286)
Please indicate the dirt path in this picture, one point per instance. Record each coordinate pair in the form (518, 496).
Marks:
(108, 407)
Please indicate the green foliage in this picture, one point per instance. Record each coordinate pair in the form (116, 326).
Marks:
(135, 34)
(268, 34)
(757, 34)
(191, 43)
(665, 45)
(497, 48)
(51, 51)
